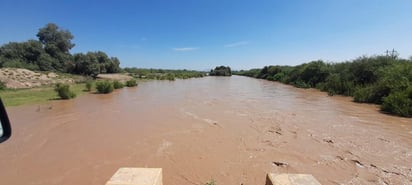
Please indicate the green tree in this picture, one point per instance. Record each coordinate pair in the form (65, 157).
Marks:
(221, 71)
(21, 54)
(55, 39)
(57, 43)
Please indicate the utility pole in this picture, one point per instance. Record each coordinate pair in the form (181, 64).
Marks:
(392, 54)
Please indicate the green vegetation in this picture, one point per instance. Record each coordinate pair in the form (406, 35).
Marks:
(163, 74)
(64, 92)
(211, 182)
(94, 63)
(131, 83)
(384, 80)
(104, 87)
(51, 52)
(117, 84)
(14, 97)
(89, 85)
(399, 103)
(2, 85)
(221, 71)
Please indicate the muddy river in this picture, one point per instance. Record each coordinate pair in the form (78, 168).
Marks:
(231, 129)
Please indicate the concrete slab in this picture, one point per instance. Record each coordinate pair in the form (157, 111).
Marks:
(137, 176)
(290, 179)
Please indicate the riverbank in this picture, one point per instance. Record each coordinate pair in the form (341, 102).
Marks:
(28, 96)
(25, 87)
(382, 80)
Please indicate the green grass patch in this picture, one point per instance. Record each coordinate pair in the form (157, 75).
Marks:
(15, 97)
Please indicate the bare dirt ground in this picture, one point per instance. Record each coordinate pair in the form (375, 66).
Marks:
(16, 78)
(117, 76)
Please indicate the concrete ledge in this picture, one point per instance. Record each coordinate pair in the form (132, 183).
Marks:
(290, 179)
(137, 176)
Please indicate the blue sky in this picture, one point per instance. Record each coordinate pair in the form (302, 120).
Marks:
(200, 34)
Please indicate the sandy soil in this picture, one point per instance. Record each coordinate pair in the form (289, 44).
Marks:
(120, 77)
(16, 78)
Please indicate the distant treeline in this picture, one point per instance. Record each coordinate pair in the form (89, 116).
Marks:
(221, 71)
(383, 80)
(51, 53)
(163, 74)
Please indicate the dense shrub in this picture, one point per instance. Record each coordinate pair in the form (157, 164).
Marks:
(377, 79)
(89, 85)
(64, 92)
(131, 83)
(221, 71)
(170, 77)
(161, 73)
(399, 103)
(104, 87)
(117, 84)
(336, 85)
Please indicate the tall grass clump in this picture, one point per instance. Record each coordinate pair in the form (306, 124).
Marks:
(89, 85)
(117, 84)
(104, 87)
(64, 92)
(131, 83)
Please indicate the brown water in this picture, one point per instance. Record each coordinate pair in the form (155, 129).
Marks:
(234, 130)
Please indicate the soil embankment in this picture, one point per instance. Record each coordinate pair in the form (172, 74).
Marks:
(16, 78)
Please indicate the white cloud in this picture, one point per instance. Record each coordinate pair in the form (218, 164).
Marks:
(185, 49)
(236, 44)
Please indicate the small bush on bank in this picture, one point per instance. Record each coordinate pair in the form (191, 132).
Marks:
(117, 84)
(170, 77)
(64, 92)
(131, 83)
(89, 85)
(104, 87)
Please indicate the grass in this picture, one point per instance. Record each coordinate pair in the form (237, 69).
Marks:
(15, 97)
(29, 96)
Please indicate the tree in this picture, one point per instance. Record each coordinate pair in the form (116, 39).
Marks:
(51, 53)
(113, 66)
(57, 43)
(86, 64)
(21, 54)
(221, 71)
(94, 63)
(55, 39)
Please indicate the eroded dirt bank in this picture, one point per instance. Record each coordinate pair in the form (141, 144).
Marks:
(233, 130)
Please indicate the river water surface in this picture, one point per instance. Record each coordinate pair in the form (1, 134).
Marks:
(231, 129)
